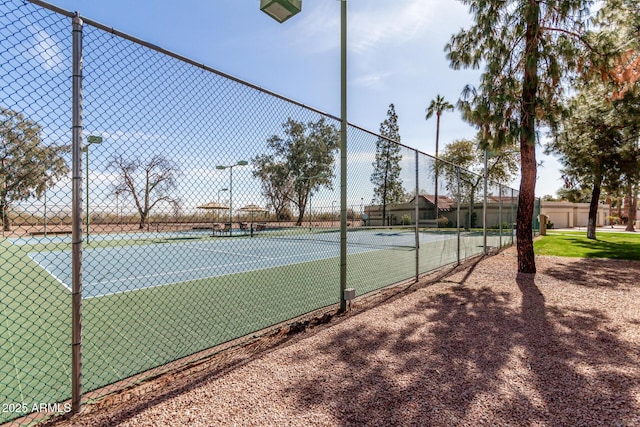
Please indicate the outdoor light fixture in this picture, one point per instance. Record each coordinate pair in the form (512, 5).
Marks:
(230, 167)
(281, 10)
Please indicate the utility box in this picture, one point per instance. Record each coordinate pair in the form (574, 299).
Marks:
(349, 294)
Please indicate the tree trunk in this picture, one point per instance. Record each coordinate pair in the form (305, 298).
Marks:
(384, 212)
(4, 211)
(435, 198)
(632, 207)
(143, 219)
(526, 198)
(384, 191)
(593, 206)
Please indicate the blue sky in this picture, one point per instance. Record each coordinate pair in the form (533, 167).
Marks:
(395, 54)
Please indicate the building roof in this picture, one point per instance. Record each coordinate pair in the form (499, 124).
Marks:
(444, 203)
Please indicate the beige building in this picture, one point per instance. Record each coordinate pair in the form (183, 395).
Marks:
(499, 210)
(570, 215)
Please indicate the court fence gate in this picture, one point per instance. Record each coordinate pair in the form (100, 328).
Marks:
(168, 208)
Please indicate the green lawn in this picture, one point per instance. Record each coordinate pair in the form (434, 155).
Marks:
(575, 244)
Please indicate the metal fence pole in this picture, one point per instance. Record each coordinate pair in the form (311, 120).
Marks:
(500, 214)
(417, 209)
(458, 209)
(343, 153)
(76, 262)
(484, 207)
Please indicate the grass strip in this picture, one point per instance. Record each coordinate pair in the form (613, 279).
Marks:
(575, 244)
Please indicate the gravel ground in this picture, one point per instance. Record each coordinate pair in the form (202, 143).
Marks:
(481, 346)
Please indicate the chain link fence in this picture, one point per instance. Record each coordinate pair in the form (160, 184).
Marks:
(210, 209)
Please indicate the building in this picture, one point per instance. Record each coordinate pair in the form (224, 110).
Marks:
(499, 210)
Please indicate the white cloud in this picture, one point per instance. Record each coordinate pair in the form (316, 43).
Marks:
(46, 50)
(371, 81)
(389, 23)
(370, 24)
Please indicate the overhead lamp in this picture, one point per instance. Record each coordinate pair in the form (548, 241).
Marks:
(281, 10)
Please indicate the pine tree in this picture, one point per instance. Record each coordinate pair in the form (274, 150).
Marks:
(526, 47)
(386, 174)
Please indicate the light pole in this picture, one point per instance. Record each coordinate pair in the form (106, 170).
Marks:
(218, 200)
(310, 194)
(333, 209)
(91, 139)
(281, 10)
(118, 222)
(230, 167)
(45, 212)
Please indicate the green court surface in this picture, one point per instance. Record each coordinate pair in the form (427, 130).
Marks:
(126, 333)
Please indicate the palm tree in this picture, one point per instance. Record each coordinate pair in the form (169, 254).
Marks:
(437, 106)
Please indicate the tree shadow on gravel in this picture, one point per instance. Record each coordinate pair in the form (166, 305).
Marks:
(597, 272)
(477, 354)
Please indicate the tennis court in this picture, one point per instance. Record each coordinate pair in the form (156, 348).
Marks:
(170, 260)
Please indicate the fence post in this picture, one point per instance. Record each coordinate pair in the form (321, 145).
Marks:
(511, 218)
(500, 214)
(343, 153)
(417, 210)
(458, 208)
(484, 206)
(76, 261)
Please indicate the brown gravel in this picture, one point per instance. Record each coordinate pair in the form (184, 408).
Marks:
(481, 346)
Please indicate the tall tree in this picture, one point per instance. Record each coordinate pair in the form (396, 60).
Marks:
(437, 107)
(147, 183)
(525, 46)
(386, 169)
(277, 184)
(619, 24)
(301, 162)
(27, 166)
(598, 137)
(589, 142)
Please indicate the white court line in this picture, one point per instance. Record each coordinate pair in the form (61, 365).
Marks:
(217, 266)
(221, 275)
(51, 274)
(190, 270)
(230, 253)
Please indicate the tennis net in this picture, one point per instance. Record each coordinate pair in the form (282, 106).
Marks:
(399, 237)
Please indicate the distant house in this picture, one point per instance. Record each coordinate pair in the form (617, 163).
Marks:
(572, 215)
(407, 210)
(499, 209)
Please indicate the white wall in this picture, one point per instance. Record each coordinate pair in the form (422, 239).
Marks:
(571, 215)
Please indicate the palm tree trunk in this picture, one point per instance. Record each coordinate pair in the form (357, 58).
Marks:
(436, 164)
